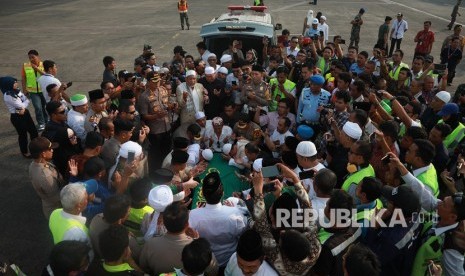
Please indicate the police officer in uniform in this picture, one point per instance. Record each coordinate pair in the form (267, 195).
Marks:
(255, 92)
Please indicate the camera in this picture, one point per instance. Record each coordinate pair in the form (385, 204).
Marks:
(342, 41)
(245, 76)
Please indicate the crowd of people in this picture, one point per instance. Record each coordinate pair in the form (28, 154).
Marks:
(310, 126)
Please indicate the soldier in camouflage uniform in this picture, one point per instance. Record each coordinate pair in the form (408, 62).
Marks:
(356, 26)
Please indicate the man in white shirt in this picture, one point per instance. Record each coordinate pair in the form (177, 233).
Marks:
(324, 27)
(77, 116)
(293, 48)
(50, 69)
(218, 135)
(399, 27)
(203, 51)
(249, 257)
(307, 158)
(324, 182)
(278, 136)
(220, 225)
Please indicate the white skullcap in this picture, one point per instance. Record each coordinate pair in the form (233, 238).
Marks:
(227, 148)
(191, 73)
(352, 130)
(199, 115)
(211, 55)
(443, 96)
(258, 164)
(323, 17)
(209, 70)
(160, 197)
(306, 149)
(164, 70)
(207, 154)
(130, 146)
(223, 70)
(225, 58)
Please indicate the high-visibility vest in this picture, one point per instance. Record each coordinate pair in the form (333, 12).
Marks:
(59, 225)
(430, 249)
(31, 77)
(134, 220)
(429, 178)
(117, 268)
(323, 235)
(182, 7)
(356, 177)
(454, 138)
(395, 74)
(323, 65)
(288, 85)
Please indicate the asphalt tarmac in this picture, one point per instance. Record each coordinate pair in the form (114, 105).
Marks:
(77, 34)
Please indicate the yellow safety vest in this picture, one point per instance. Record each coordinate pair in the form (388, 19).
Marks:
(135, 218)
(454, 138)
(288, 85)
(31, 77)
(429, 178)
(356, 177)
(323, 235)
(117, 268)
(323, 65)
(59, 225)
(395, 74)
(431, 249)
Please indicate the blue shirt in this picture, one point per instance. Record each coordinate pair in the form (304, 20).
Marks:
(312, 32)
(355, 68)
(96, 207)
(309, 103)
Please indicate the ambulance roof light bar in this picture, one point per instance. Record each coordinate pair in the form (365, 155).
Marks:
(252, 8)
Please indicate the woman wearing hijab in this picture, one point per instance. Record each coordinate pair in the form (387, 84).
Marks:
(16, 103)
(69, 146)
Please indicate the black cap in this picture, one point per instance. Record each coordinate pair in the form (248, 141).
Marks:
(96, 94)
(211, 183)
(39, 145)
(388, 18)
(162, 176)
(402, 197)
(179, 157)
(250, 246)
(180, 142)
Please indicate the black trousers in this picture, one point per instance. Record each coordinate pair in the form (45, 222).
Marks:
(395, 41)
(24, 125)
(160, 146)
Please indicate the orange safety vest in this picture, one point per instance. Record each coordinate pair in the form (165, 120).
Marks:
(182, 7)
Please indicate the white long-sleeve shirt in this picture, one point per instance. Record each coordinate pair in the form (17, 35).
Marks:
(76, 122)
(15, 103)
(221, 226)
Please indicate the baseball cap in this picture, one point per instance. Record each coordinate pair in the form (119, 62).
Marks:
(315, 21)
(399, 14)
(449, 109)
(402, 197)
(91, 186)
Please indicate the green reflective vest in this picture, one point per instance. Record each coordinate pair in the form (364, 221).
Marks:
(454, 138)
(276, 95)
(59, 225)
(323, 235)
(323, 65)
(395, 74)
(429, 178)
(431, 249)
(350, 184)
(134, 220)
(31, 77)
